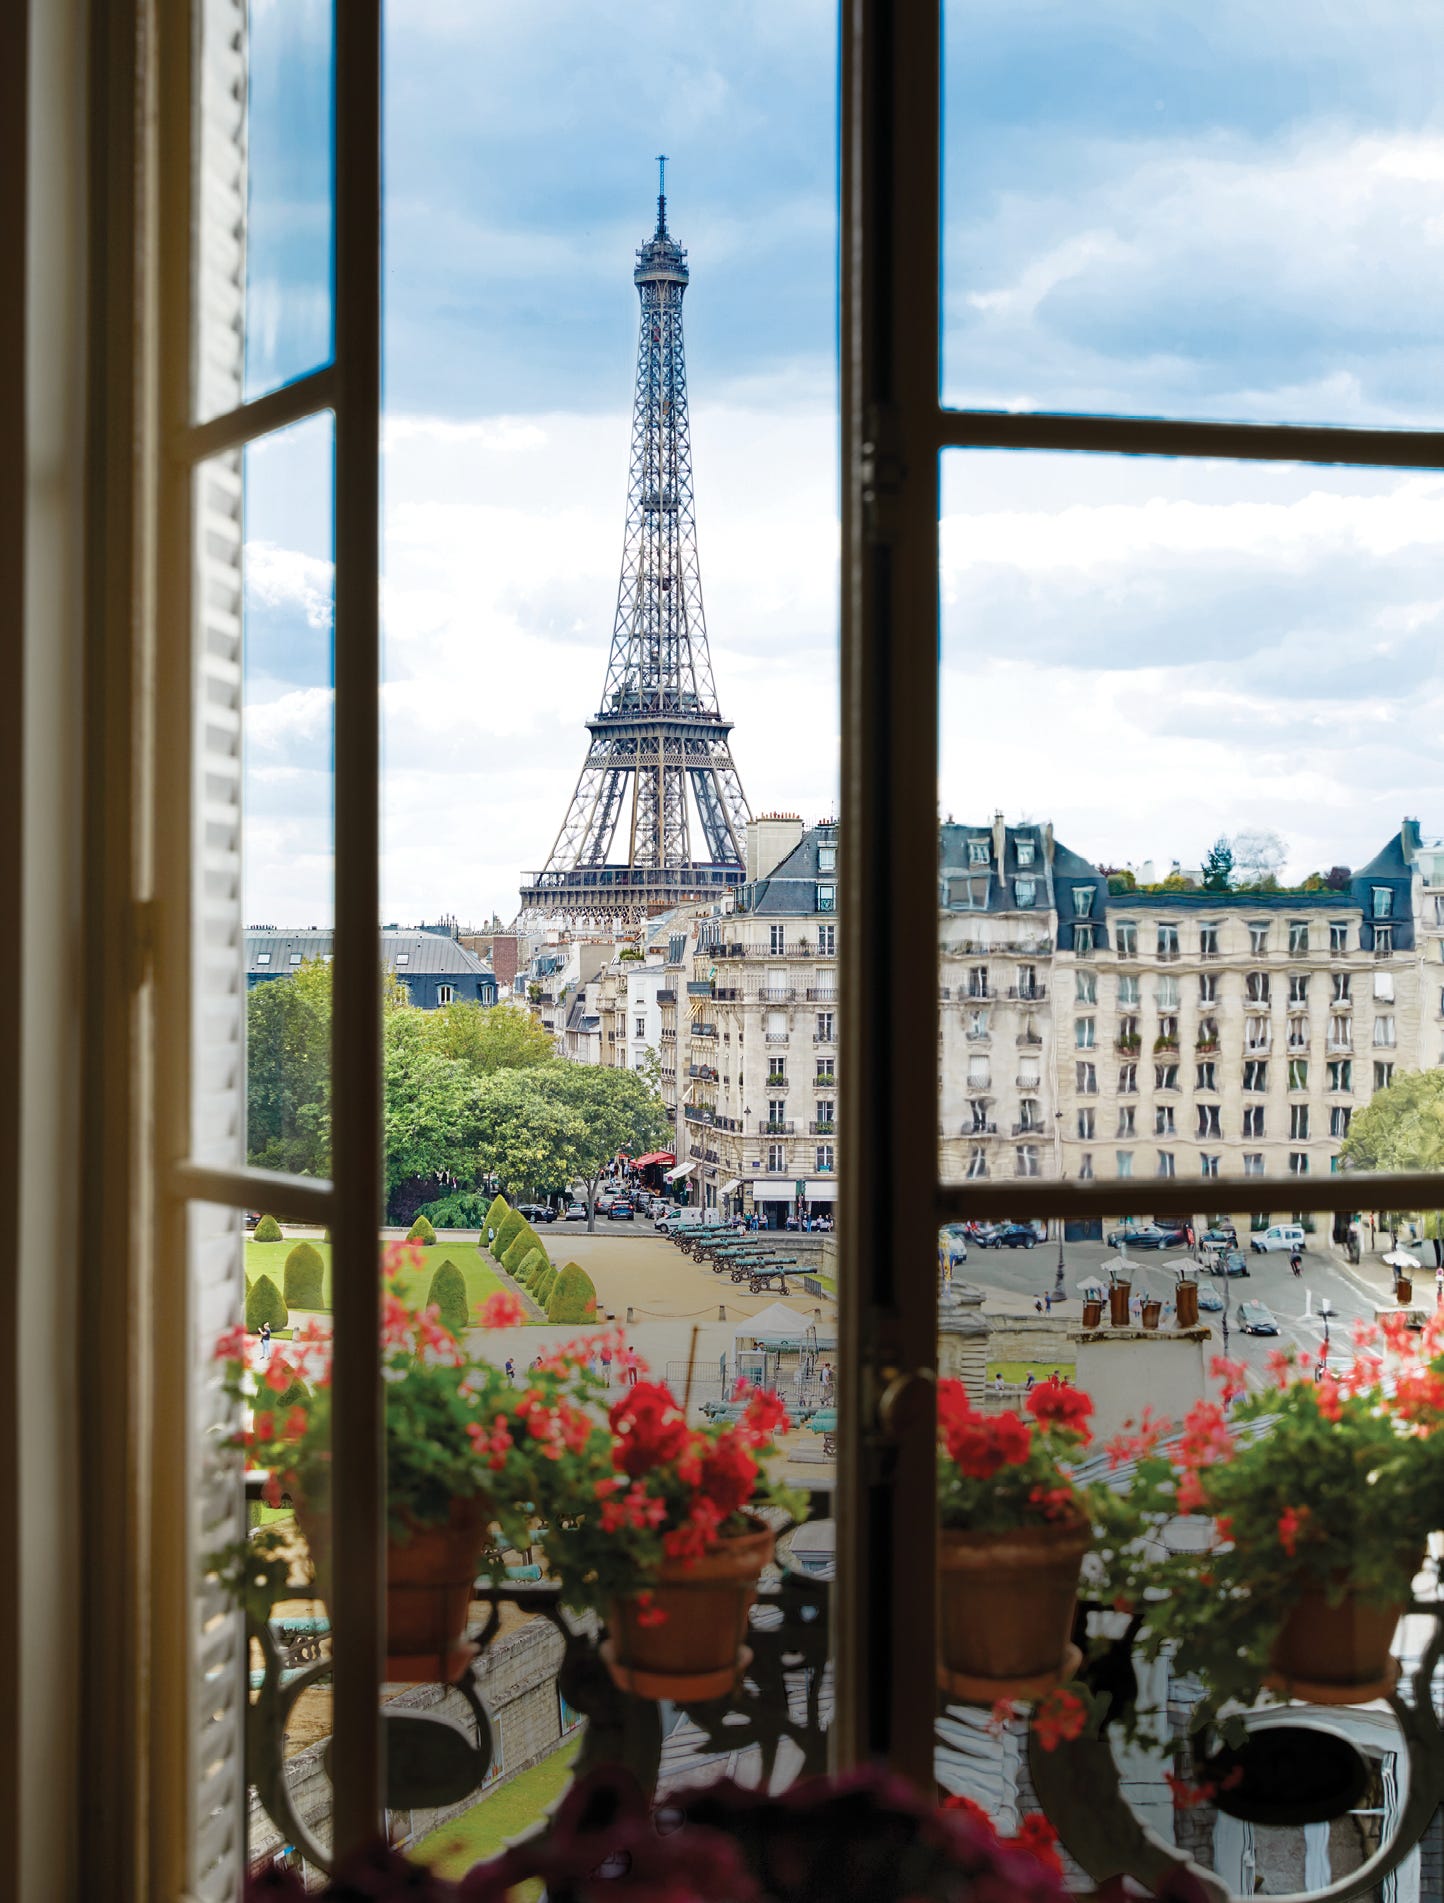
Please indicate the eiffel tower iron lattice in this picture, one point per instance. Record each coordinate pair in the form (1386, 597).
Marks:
(659, 769)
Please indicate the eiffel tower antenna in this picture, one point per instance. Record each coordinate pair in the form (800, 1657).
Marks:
(659, 816)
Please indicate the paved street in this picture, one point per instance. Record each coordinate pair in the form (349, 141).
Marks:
(1012, 1279)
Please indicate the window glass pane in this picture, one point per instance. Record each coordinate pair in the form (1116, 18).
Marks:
(265, 196)
(1070, 1359)
(1207, 211)
(1192, 655)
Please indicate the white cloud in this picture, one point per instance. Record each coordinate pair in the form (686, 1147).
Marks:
(279, 577)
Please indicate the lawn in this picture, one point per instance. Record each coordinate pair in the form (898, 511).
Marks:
(1015, 1373)
(499, 1819)
(482, 1279)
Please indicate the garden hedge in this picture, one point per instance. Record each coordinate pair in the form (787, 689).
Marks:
(542, 1293)
(304, 1277)
(574, 1298)
(421, 1231)
(512, 1223)
(448, 1293)
(265, 1303)
(267, 1230)
(462, 1209)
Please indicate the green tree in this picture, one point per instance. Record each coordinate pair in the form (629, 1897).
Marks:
(531, 1139)
(303, 1277)
(265, 1303)
(448, 1294)
(1402, 1128)
(489, 1039)
(614, 1109)
(433, 1121)
(288, 1072)
(1218, 866)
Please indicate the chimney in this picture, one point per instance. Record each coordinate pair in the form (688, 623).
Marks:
(505, 961)
(770, 837)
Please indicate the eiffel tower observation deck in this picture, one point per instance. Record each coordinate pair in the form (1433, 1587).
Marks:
(659, 816)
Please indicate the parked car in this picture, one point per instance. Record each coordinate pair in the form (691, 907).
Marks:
(1210, 1300)
(253, 1216)
(576, 1212)
(621, 1210)
(1279, 1237)
(1009, 1235)
(1224, 1237)
(1150, 1235)
(1255, 1319)
(955, 1241)
(537, 1212)
(1229, 1262)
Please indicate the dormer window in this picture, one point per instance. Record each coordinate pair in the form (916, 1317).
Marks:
(1026, 850)
(827, 898)
(1025, 891)
(977, 852)
(827, 858)
(1082, 901)
(1383, 901)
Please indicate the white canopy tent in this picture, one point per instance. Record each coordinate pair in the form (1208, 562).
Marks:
(776, 1322)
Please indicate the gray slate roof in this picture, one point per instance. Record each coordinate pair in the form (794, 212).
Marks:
(428, 952)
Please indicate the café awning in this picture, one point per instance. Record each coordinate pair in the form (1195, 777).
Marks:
(653, 1156)
(727, 1188)
(682, 1169)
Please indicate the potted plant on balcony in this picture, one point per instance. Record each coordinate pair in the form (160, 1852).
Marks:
(455, 1462)
(1314, 1497)
(653, 1524)
(1015, 1526)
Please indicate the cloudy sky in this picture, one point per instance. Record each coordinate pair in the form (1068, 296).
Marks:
(1170, 208)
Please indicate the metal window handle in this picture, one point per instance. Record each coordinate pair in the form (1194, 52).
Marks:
(907, 1402)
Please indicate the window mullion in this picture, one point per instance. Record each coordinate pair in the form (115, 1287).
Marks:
(889, 1033)
(358, 1457)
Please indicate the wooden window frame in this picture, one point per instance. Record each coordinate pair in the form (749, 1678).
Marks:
(895, 430)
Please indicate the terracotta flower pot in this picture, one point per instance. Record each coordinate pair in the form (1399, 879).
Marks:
(1006, 1609)
(1336, 1655)
(1152, 1310)
(698, 1650)
(1118, 1294)
(1403, 1289)
(1092, 1314)
(1187, 1299)
(430, 1578)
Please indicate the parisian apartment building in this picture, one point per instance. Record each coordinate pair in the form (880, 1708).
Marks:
(1086, 1032)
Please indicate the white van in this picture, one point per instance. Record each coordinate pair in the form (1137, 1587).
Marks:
(1278, 1236)
(686, 1218)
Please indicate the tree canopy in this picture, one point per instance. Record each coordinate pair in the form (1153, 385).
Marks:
(1402, 1128)
(1218, 866)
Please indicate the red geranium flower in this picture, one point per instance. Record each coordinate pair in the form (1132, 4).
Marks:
(650, 1428)
(1068, 1406)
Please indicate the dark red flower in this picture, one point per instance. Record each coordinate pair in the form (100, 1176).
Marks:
(650, 1428)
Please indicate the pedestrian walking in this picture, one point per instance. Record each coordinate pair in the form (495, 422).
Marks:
(827, 1383)
(606, 1367)
(265, 1341)
(998, 1382)
(1038, 1305)
(1030, 1383)
(1047, 1304)
(630, 1367)
(510, 1372)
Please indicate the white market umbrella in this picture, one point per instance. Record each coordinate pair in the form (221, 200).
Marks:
(1120, 1265)
(1401, 1259)
(1092, 1290)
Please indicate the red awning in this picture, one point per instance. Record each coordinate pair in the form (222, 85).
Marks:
(654, 1156)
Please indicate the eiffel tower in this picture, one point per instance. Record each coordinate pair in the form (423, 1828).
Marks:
(658, 781)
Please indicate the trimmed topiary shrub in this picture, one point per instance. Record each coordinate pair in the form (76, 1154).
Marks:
(303, 1278)
(421, 1231)
(265, 1303)
(267, 1230)
(512, 1223)
(448, 1293)
(535, 1264)
(517, 1251)
(495, 1217)
(545, 1283)
(574, 1298)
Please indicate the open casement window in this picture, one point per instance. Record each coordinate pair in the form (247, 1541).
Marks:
(897, 434)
